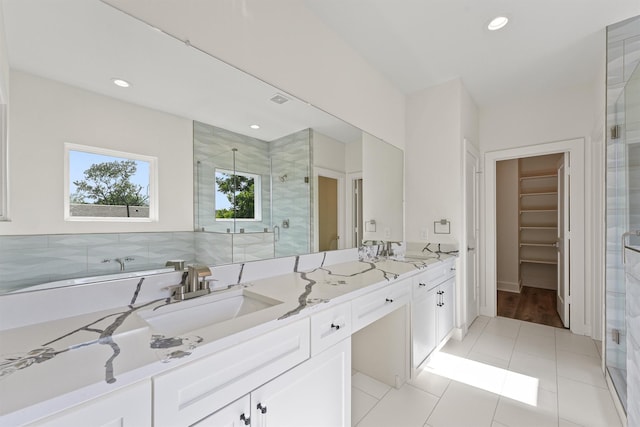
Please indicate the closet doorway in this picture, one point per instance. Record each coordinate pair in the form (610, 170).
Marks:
(532, 196)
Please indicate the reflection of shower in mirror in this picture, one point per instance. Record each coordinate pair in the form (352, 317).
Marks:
(284, 178)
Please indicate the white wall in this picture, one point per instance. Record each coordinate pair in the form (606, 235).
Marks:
(328, 153)
(432, 164)
(353, 161)
(284, 44)
(45, 114)
(556, 116)
(382, 190)
(507, 224)
(4, 61)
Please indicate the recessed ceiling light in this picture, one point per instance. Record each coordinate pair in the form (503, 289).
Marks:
(497, 23)
(255, 126)
(121, 83)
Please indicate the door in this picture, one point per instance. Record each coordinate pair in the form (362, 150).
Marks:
(358, 229)
(445, 308)
(563, 243)
(316, 393)
(470, 261)
(423, 326)
(327, 214)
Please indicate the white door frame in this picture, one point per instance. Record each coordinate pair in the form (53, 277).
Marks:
(340, 177)
(488, 295)
(350, 210)
(464, 254)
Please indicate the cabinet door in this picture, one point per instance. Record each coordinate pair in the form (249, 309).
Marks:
(315, 393)
(129, 407)
(446, 308)
(423, 326)
(191, 392)
(236, 414)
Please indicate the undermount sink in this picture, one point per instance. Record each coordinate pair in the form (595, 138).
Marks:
(182, 317)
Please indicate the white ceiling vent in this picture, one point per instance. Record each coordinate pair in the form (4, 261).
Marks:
(279, 98)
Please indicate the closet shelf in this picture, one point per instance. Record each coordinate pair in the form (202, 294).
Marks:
(537, 210)
(542, 245)
(550, 175)
(538, 261)
(545, 193)
(538, 228)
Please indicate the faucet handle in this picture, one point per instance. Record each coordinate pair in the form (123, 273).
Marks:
(199, 270)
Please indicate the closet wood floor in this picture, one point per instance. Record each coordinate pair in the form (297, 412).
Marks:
(531, 305)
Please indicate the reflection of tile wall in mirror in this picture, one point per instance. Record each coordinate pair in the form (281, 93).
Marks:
(137, 121)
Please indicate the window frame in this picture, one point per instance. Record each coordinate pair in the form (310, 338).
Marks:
(153, 183)
(257, 195)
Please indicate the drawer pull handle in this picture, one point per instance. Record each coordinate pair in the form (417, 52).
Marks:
(388, 300)
(336, 327)
(246, 420)
(262, 409)
(422, 284)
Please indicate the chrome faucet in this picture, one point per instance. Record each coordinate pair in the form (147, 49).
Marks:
(120, 261)
(194, 283)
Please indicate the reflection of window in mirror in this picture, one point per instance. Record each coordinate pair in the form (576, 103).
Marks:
(4, 164)
(107, 185)
(237, 196)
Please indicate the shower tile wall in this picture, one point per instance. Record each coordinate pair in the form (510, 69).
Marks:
(212, 149)
(283, 165)
(623, 170)
(291, 157)
(32, 260)
(633, 338)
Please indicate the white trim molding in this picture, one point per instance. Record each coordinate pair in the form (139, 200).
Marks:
(580, 317)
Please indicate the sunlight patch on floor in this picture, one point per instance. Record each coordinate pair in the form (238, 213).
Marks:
(513, 385)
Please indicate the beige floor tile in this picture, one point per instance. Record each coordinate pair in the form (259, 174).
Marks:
(431, 382)
(406, 407)
(503, 326)
(537, 345)
(581, 368)
(464, 406)
(544, 413)
(585, 405)
(369, 385)
(542, 369)
(361, 404)
(498, 346)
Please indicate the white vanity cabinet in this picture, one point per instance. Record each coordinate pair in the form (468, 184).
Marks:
(377, 304)
(432, 310)
(128, 407)
(314, 393)
(187, 394)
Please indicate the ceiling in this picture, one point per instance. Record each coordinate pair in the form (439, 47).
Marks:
(88, 43)
(547, 45)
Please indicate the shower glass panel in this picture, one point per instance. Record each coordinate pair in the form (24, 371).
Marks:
(623, 185)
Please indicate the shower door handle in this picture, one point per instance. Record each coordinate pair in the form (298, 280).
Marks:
(276, 236)
(624, 241)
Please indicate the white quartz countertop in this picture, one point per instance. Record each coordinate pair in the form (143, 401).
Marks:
(48, 366)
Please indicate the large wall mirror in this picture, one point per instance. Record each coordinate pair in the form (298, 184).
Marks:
(251, 168)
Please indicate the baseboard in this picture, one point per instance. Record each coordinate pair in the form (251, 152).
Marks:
(509, 286)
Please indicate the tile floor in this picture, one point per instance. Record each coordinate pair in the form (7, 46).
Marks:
(505, 373)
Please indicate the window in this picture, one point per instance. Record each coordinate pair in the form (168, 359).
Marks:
(107, 185)
(237, 196)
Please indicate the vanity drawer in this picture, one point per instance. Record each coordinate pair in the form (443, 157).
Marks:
(371, 307)
(330, 327)
(191, 392)
(432, 277)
